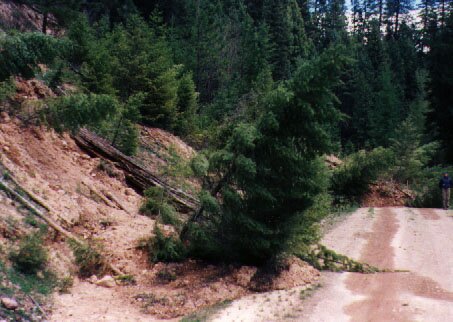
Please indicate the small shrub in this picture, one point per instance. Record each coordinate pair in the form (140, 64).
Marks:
(65, 284)
(168, 216)
(166, 276)
(78, 110)
(107, 167)
(31, 256)
(88, 259)
(165, 249)
(31, 220)
(7, 89)
(351, 180)
(156, 203)
(154, 198)
(126, 280)
(150, 299)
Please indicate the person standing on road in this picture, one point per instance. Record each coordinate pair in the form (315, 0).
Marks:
(445, 184)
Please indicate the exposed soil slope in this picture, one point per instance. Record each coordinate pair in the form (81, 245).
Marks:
(387, 194)
(22, 17)
(54, 168)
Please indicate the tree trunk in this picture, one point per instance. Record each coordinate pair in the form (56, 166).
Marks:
(381, 6)
(442, 13)
(398, 8)
(136, 175)
(45, 21)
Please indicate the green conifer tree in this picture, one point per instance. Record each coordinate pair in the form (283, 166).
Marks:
(265, 178)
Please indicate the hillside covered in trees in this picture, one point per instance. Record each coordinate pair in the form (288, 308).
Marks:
(263, 90)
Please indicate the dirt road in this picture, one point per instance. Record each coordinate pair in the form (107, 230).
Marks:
(417, 240)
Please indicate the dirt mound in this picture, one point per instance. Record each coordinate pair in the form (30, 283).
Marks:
(387, 194)
(294, 272)
(31, 89)
(179, 289)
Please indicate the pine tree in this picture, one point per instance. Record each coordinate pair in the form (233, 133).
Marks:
(267, 176)
(21, 53)
(428, 17)
(395, 9)
(386, 114)
(91, 57)
(186, 106)
(440, 85)
(409, 143)
(287, 35)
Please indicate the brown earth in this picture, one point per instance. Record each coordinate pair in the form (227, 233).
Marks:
(53, 167)
(22, 17)
(417, 243)
(396, 238)
(387, 194)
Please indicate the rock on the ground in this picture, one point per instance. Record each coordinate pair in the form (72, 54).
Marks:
(93, 279)
(4, 117)
(9, 303)
(106, 281)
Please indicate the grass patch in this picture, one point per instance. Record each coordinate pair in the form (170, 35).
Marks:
(306, 293)
(65, 284)
(28, 283)
(206, 313)
(126, 279)
(33, 284)
(166, 276)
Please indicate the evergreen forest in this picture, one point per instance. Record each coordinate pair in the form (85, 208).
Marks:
(264, 90)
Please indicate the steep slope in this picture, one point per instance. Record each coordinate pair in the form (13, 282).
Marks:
(77, 187)
(90, 198)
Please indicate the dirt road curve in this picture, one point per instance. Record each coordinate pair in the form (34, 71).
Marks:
(418, 240)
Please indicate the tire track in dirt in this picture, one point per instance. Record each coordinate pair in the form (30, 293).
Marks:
(429, 214)
(382, 291)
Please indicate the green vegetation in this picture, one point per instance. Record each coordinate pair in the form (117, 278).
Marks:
(427, 188)
(7, 89)
(125, 279)
(72, 112)
(88, 259)
(31, 256)
(353, 177)
(264, 90)
(326, 259)
(22, 52)
(206, 313)
(163, 248)
(306, 293)
(156, 203)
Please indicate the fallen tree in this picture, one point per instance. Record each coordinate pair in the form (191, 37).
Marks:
(28, 200)
(136, 175)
